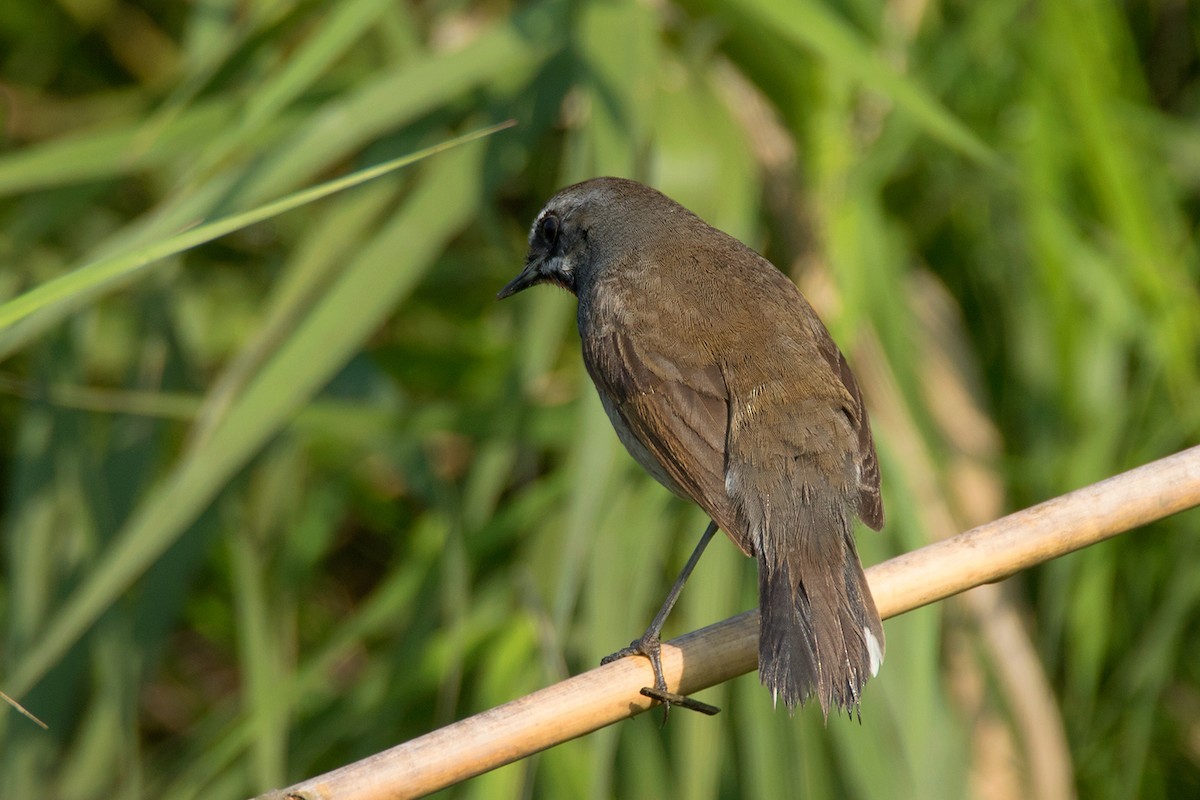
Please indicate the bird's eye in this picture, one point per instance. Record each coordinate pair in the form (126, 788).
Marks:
(548, 228)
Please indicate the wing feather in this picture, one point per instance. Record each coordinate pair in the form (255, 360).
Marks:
(679, 415)
(870, 503)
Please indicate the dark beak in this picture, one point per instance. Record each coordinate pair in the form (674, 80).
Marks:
(528, 277)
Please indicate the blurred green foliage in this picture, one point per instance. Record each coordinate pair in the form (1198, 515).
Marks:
(307, 491)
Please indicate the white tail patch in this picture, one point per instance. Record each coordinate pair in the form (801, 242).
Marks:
(874, 650)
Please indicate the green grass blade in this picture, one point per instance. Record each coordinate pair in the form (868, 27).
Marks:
(65, 294)
(812, 27)
(320, 344)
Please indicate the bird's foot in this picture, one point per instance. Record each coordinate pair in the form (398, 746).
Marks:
(651, 647)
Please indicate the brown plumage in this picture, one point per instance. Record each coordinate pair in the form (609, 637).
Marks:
(722, 383)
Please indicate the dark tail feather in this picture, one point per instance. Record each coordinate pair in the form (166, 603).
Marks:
(820, 633)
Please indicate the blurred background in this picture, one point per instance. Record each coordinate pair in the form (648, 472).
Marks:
(308, 491)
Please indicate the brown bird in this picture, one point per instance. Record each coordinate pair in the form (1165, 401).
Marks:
(725, 386)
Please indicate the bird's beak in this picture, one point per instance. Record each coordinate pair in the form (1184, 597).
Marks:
(528, 277)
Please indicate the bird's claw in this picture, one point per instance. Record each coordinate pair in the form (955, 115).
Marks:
(651, 648)
(669, 699)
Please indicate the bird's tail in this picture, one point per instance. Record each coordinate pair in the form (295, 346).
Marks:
(820, 632)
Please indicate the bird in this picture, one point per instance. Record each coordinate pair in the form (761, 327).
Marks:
(722, 382)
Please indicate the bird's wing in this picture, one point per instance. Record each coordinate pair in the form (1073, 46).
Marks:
(869, 500)
(679, 414)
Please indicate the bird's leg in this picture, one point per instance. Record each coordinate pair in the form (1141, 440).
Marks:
(650, 645)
